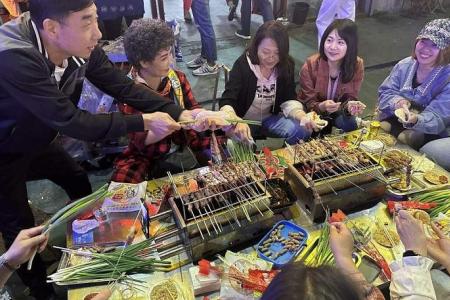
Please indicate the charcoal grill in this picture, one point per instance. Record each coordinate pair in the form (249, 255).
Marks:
(230, 207)
(327, 175)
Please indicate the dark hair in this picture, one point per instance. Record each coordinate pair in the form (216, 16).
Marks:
(55, 9)
(144, 39)
(277, 32)
(347, 30)
(299, 282)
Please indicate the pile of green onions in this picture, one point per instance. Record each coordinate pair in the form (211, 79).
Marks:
(240, 152)
(441, 197)
(74, 209)
(133, 259)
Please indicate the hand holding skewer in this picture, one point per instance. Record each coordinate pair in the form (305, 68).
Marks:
(240, 132)
(341, 243)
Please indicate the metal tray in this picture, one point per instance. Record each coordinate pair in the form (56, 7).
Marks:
(418, 185)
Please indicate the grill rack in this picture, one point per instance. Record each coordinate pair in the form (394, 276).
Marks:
(322, 163)
(230, 192)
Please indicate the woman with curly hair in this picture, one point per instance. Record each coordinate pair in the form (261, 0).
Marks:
(148, 45)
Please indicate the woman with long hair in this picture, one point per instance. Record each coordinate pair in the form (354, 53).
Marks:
(262, 88)
(331, 79)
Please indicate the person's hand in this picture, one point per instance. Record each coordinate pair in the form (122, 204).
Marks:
(240, 132)
(411, 233)
(210, 120)
(25, 244)
(402, 103)
(439, 250)
(196, 111)
(355, 108)
(329, 106)
(309, 124)
(341, 243)
(306, 122)
(187, 116)
(159, 125)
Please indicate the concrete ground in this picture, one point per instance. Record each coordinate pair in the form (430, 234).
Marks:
(384, 39)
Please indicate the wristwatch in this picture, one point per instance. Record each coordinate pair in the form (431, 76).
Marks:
(409, 253)
(4, 263)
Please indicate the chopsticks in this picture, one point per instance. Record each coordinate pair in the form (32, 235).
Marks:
(386, 233)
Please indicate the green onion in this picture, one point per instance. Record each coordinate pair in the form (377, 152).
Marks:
(240, 152)
(323, 255)
(72, 210)
(69, 212)
(133, 259)
(441, 197)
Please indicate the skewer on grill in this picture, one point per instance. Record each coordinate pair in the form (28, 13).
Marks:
(179, 196)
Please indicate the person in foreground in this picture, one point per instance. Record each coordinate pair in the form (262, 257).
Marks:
(410, 279)
(262, 88)
(45, 54)
(331, 79)
(411, 276)
(340, 282)
(414, 100)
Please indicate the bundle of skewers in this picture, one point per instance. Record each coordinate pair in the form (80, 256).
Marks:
(401, 165)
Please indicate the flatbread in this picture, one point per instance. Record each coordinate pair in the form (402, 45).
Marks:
(421, 215)
(381, 238)
(316, 118)
(401, 114)
(434, 177)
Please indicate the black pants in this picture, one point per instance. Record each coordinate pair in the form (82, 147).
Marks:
(53, 163)
(397, 128)
(112, 28)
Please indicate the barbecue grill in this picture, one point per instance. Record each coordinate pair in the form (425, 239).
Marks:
(221, 206)
(326, 174)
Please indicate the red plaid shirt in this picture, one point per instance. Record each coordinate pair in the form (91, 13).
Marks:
(134, 164)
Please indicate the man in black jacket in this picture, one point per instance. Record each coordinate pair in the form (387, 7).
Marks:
(44, 57)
